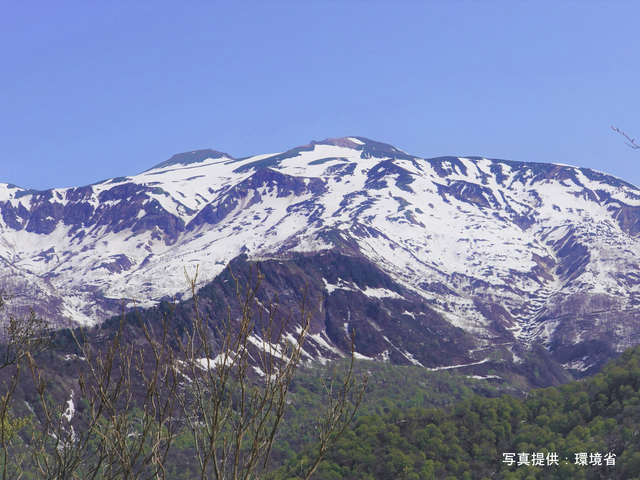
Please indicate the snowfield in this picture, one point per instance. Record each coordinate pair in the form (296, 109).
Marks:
(540, 241)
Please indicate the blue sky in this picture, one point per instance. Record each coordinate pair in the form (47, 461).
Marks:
(93, 90)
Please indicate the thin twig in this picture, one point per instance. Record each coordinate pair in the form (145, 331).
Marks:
(631, 141)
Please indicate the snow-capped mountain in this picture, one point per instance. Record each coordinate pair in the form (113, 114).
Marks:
(512, 253)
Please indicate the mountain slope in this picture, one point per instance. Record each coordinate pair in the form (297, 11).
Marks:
(514, 254)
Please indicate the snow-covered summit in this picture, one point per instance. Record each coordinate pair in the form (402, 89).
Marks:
(188, 158)
(507, 251)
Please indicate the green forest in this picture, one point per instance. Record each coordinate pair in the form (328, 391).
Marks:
(473, 437)
(417, 424)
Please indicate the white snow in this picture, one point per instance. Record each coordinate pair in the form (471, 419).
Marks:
(324, 343)
(211, 363)
(449, 367)
(423, 234)
(359, 356)
(71, 409)
(380, 293)
(341, 285)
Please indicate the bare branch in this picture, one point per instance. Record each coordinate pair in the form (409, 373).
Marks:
(631, 141)
(23, 337)
(226, 383)
(336, 410)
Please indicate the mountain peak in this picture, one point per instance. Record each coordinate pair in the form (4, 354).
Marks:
(194, 156)
(347, 142)
(369, 148)
(515, 254)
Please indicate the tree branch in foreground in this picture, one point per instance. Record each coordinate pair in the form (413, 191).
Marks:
(631, 141)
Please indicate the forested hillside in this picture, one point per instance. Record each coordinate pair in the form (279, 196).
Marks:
(139, 396)
(417, 424)
(584, 424)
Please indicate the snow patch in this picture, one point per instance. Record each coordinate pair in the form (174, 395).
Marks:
(449, 367)
(341, 285)
(380, 293)
(71, 409)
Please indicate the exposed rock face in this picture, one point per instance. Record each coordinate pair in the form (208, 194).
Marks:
(474, 256)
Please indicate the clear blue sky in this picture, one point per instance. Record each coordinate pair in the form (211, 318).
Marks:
(97, 89)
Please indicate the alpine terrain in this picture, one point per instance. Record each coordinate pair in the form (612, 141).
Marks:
(441, 262)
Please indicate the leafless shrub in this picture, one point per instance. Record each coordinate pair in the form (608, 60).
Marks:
(228, 385)
(24, 338)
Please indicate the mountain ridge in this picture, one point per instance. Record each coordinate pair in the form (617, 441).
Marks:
(513, 253)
